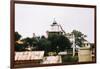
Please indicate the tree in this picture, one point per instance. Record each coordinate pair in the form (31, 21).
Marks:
(30, 43)
(17, 36)
(59, 43)
(54, 42)
(63, 43)
(18, 46)
(35, 41)
(44, 44)
(79, 37)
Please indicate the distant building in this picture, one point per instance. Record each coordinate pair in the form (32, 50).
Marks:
(55, 29)
(26, 56)
(86, 44)
(62, 53)
(52, 60)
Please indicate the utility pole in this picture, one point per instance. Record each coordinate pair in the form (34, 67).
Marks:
(73, 46)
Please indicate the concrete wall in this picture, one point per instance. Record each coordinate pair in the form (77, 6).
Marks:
(84, 55)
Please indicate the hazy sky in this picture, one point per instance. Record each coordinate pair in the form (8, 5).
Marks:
(37, 19)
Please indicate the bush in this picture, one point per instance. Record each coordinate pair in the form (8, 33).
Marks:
(69, 58)
(52, 53)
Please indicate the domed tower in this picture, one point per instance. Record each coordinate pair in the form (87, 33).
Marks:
(55, 29)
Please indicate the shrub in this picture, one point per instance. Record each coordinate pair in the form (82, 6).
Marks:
(69, 58)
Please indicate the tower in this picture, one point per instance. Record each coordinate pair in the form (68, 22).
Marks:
(55, 29)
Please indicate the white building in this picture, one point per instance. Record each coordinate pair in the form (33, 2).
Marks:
(55, 29)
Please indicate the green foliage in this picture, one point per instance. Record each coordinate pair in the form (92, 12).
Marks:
(54, 43)
(79, 37)
(63, 43)
(17, 36)
(19, 47)
(30, 42)
(44, 44)
(69, 58)
(52, 53)
(59, 43)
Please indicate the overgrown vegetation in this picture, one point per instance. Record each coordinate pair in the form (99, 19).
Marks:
(69, 58)
(54, 43)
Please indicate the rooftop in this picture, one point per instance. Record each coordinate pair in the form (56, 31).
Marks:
(29, 55)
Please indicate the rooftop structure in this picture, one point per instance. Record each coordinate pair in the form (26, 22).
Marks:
(29, 55)
(55, 29)
(52, 60)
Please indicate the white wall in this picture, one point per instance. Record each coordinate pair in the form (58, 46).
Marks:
(5, 35)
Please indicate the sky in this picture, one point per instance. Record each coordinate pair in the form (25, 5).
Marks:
(37, 19)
